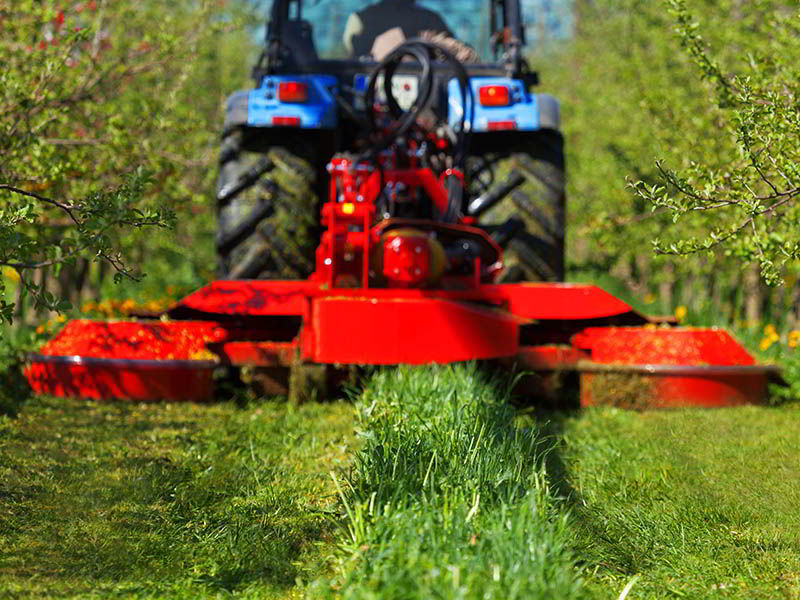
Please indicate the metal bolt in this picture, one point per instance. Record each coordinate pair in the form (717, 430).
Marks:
(396, 271)
(417, 271)
(328, 262)
(418, 249)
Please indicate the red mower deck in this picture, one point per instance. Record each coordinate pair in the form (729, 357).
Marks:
(130, 360)
(546, 328)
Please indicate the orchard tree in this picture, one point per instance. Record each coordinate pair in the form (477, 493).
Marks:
(645, 102)
(109, 111)
(750, 193)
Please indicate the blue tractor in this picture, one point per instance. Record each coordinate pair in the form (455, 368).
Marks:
(440, 84)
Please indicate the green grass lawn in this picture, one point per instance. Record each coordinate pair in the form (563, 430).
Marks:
(697, 503)
(168, 500)
(443, 494)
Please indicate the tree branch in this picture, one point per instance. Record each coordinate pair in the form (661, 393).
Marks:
(67, 208)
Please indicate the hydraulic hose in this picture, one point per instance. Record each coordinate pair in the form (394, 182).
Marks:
(424, 53)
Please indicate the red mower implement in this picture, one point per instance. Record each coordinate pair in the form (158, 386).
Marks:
(405, 267)
(400, 291)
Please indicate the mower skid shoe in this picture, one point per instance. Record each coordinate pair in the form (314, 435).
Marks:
(308, 382)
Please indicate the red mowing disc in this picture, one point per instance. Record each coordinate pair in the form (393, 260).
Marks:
(129, 360)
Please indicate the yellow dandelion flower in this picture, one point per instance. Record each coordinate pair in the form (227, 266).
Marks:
(766, 343)
(11, 274)
(794, 338)
(680, 313)
(40, 329)
(62, 318)
(769, 330)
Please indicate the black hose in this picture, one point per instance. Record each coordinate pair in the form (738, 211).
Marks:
(424, 53)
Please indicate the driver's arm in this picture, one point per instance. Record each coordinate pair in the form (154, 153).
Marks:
(352, 28)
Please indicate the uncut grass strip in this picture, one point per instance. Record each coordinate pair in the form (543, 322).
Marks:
(448, 497)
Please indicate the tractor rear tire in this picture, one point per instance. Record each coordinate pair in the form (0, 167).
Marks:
(266, 212)
(531, 211)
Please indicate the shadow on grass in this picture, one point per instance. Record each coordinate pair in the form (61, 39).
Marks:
(14, 390)
(684, 499)
(198, 499)
(551, 425)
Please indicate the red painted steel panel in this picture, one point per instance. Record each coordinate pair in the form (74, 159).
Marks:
(669, 367)
(106, 379)
(127, 359)
(550, 358)
(249, 298)
(263, 354)
(662, 346)
(546, 301)
(142, 340)
(557, 301)
(365, 330)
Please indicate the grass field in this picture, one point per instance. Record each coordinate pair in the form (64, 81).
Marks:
(444, 492)
(170, 501)
(695, 503)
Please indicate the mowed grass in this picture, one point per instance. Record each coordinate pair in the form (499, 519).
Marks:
(695, 503)
(168, 500)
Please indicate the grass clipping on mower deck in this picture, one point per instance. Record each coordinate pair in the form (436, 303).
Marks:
(449, 497)
(624, 390)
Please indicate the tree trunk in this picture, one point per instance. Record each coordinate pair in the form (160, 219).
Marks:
(642, 262)
(715, 285)
(665, 288)
(42, 282)
(20, 311)
(753, 296)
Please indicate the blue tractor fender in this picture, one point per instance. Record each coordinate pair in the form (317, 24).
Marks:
(263, 107)
(525, 111)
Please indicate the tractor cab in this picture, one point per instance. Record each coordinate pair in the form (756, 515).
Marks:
(302, 33)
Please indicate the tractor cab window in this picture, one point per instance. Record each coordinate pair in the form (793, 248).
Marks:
(359, 28)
